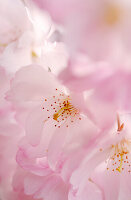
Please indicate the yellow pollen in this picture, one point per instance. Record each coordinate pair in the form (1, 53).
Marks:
(34, 55)
(61, 110)
(3, 45)
(120, 153)
(112, 14)
(121, 161)
(56, 115)
(67, 107)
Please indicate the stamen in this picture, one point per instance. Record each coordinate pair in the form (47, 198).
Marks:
(61, 109)
(119, 158)
(56, 115)
(120, 154)
(120, 166)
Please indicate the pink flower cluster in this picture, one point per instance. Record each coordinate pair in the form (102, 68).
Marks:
(65, 100)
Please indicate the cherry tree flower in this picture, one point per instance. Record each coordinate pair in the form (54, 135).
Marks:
(47, 110)
(112, 158)
(65, 100)
(99, 28)
(50, 185)
(40, 177)
(31, 44)
(57, 125)
(14, 22)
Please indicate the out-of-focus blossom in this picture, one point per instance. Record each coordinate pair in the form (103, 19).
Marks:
(108, 82)
(13, 21)
(99, 28)
(54, 56)
(32, 44)
(19, 38)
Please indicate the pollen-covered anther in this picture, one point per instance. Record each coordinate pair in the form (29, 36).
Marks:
(120, 157)
(55, 116)
(61, 109)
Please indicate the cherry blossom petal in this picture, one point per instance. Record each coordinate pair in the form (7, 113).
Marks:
(29, 79)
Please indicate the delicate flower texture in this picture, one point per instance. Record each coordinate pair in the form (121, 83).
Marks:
(10, 134)
(40, 177)
(102, 29)
(51, 111)
(48, 185)
(65, 100)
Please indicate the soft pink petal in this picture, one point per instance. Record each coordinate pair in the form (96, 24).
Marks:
(32, 83)
(49, 187)
(89, 191)
(34, 126)
(104, 179)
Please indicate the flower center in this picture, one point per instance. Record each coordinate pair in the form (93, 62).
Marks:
(34, 54)
(66, 109)
(112, 14)
(61, 110)
(120, 155)
(120, 158)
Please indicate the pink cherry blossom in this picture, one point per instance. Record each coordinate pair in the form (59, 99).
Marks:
(56, 127)
(26, 46)
(112, 158)
(49, 111)
(36, 178)
(99, 28)
(49, 185)
(13, 20)
(65, 100)
(41, 174)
